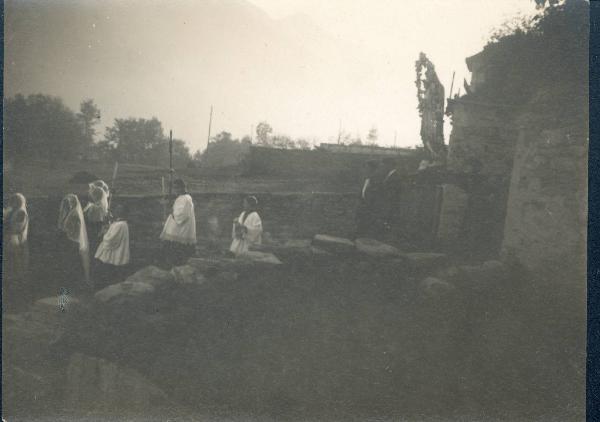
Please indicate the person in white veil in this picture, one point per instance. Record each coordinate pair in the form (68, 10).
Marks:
(15, 253)
(247, 228)
(72, 224)
(96, 212)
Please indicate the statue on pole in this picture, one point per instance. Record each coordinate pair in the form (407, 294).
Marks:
(430, 93)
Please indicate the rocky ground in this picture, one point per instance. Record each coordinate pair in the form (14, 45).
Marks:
(321, 329)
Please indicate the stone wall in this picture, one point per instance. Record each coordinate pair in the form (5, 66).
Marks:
(315, 163)
(546, 221)
(482, 132)
(480, 154)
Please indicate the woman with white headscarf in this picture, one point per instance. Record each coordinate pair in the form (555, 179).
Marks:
(72, 224)
(15, 252)
(96, 212)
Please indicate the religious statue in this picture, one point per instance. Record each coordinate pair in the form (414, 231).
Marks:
(430, 93)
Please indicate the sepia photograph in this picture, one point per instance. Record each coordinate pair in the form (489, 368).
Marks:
(295, 210)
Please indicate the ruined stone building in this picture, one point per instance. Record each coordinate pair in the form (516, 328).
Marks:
(517, 162)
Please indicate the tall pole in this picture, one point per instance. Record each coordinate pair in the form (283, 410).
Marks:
(209, 125)
(170, 162)
(340, 132)
(395, 135)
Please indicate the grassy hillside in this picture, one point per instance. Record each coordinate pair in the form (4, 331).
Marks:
(39, 178)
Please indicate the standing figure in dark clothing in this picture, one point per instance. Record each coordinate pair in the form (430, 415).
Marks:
(392, 192)
(369, 220)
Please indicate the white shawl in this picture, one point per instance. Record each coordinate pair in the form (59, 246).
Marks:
(181, 224)
(252, 236)
(114, 248)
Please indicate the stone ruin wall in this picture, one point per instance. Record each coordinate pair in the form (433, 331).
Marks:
(481, 132)
(546, 222)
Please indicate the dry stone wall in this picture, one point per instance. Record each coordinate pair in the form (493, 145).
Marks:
(546, 220)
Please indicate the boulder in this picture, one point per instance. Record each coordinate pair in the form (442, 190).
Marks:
(186, 274)
(337, 245)
(435, 288)
(110, 293)
(95, 384)
(318, 252)
(152, 275)
(297, 244)
(142, 283)
(424, 261)
(211, 266)
(259, 258)
(375, 248)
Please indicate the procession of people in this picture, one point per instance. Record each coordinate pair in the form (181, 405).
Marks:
(92, 246)
(91, 249)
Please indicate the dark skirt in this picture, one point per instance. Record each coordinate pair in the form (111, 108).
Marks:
(17, 290)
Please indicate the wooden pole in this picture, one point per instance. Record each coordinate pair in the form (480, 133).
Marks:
(452, 84)
(209, 125)
(170, 162)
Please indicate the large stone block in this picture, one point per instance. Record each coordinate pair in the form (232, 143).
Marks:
(186, 274)
(376, 248)
(436, 288)
(338, 245)
(143, 283)
(256, 257)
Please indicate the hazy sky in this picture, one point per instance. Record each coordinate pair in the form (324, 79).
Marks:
(304, 66)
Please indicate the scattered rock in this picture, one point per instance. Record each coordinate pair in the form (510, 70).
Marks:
(435, 287)
(260, 258)
(297, 244)
(186, 274)
(144, 282)
(95, 384)
(211, 266)
(152, 275)
(111, 292)
(333, 244)
(375, 248)
(320, 252)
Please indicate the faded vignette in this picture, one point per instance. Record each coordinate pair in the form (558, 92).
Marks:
(260, 210)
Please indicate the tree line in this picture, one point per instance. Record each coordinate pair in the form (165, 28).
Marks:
(42, 127)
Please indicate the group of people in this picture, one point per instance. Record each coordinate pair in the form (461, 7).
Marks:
(93, 241)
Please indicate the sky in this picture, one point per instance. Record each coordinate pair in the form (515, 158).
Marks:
(307, 67)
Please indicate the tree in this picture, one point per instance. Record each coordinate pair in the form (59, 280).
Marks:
(282, 141)
(40, 127)
(263, 130)
(142, 141)
(223, 137)
(89, 116)
(303, 144)
(373, 135)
